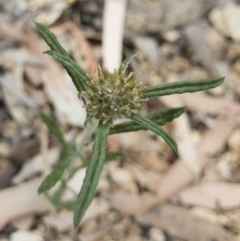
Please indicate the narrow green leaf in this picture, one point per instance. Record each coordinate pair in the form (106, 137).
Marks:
(72, 68)
(111, 156)
(74, 169)
(126, 61)
(69, 205)
(50, 39)
(56, 173)
(93, 173)
(66, 60)
(55, 46)
(79, 86)
(53, 128)
(56, 197)
(88, 120)
(151, 125)
(159, 118)
(182, 87)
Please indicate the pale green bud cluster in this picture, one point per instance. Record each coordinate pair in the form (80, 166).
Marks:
(112, 95)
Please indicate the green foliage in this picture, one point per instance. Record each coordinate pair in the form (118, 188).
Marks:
(127, 97)
(53, 128)
(182, 87)
(57, 172)
(75, 70)
(111, 156)
(126, 61)
(56, 197)
(159, 118)
(93, 172)
(56, 47)
(111, 95)
(50, 39)
(152, 126)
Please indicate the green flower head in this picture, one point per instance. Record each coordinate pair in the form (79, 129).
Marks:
(113, 95)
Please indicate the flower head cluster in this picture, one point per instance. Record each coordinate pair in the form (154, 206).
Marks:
(111, 95)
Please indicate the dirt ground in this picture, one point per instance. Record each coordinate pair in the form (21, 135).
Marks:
(149, 193)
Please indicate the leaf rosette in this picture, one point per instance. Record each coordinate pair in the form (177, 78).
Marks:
(107, 96)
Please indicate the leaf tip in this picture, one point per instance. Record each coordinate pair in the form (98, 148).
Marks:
(39, 26)
(222, 79)
(76, 221)
(40, 190)
(36, 23)
(49, 52)
(218, 81)
(176, 149)
(174, 146)
(184, 108)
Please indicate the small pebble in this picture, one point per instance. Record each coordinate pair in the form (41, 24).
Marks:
(5, 149)
(156, 234)
(22, 235)
(123, 178)
(234, 141)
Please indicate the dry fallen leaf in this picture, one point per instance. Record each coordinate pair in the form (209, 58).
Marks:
(22, 200)
(210, 105)
(9, 31)
(215, 195)
(35, 165)
(177, 177)
(63, 220)
(135, 203)
(85, 46)
(95, 234)
(180, 223)
(187, 150)
(63, 95)
(59, 87)
(16, 107)
(200, 102)
(145, 178)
